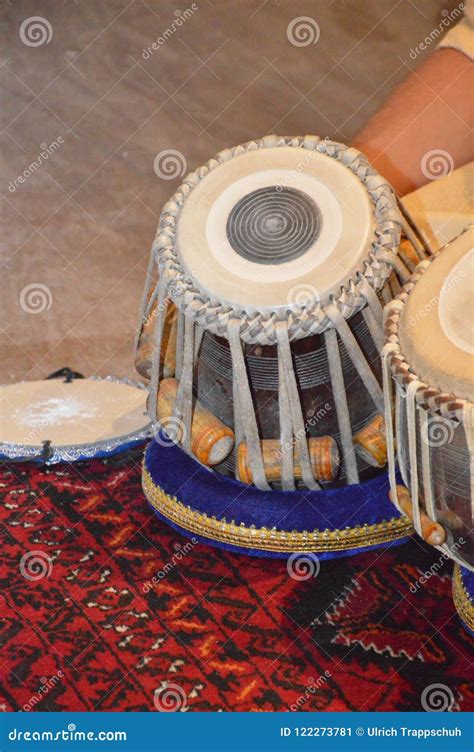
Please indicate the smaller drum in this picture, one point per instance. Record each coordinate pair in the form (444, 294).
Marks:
(56, 420)
(428, 355)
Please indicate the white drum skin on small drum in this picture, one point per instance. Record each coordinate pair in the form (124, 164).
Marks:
(78, 419)
(436, 326)
(430, 352)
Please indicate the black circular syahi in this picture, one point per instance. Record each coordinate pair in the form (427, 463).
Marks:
(273, 225)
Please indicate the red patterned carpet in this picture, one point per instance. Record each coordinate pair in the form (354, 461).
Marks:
(114, 606)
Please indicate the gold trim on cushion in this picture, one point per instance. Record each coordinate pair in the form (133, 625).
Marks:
(271, 539)
(462, 599)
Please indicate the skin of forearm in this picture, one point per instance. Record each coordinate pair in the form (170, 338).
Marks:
(430, 110)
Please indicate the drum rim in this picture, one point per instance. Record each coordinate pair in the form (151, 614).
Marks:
(260, 326)
(463, 599)
(427, 396)
(85, 451)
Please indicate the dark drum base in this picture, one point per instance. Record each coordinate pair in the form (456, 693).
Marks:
(223, 512)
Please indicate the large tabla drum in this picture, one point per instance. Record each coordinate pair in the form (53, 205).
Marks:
(261, 320)
(429, 368)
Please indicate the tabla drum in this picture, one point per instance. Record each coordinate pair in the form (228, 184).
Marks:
(67, 420)
(261, 323)
(429, 358)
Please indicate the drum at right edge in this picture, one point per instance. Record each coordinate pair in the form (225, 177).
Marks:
(428, 362)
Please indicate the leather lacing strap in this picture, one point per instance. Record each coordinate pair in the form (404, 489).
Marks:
(239, 434)
(386, 294)
(372, 300)
(342, 409)
(426, 465)
(394, 285)
(143, 302)
(375, 330)
(387, 352)
(161, 307)
(286, 432)
(468, 423)
(396, 262)
(243, 406)
(183, 406)
(373, 313)
(411, 391)
(179, 343)
(398, 434)
(357, 356)
(413, 236)
(198, 335)
(292, 422)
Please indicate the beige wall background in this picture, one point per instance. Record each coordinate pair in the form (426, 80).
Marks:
(76, 232)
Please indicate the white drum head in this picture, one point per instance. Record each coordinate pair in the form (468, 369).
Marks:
(275, 227)
(81, 419)
(437, 323)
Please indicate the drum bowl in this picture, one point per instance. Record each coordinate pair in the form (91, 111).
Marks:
(213, 388)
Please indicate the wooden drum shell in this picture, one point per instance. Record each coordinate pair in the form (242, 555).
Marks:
(213, 388)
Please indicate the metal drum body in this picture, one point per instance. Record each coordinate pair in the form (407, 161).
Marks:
(429, 360)
(213, 387)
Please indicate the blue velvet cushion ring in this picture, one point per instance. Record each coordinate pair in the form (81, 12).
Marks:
(463, 596)
(224, 512)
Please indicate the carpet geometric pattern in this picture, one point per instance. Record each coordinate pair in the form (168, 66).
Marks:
(103, 607)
